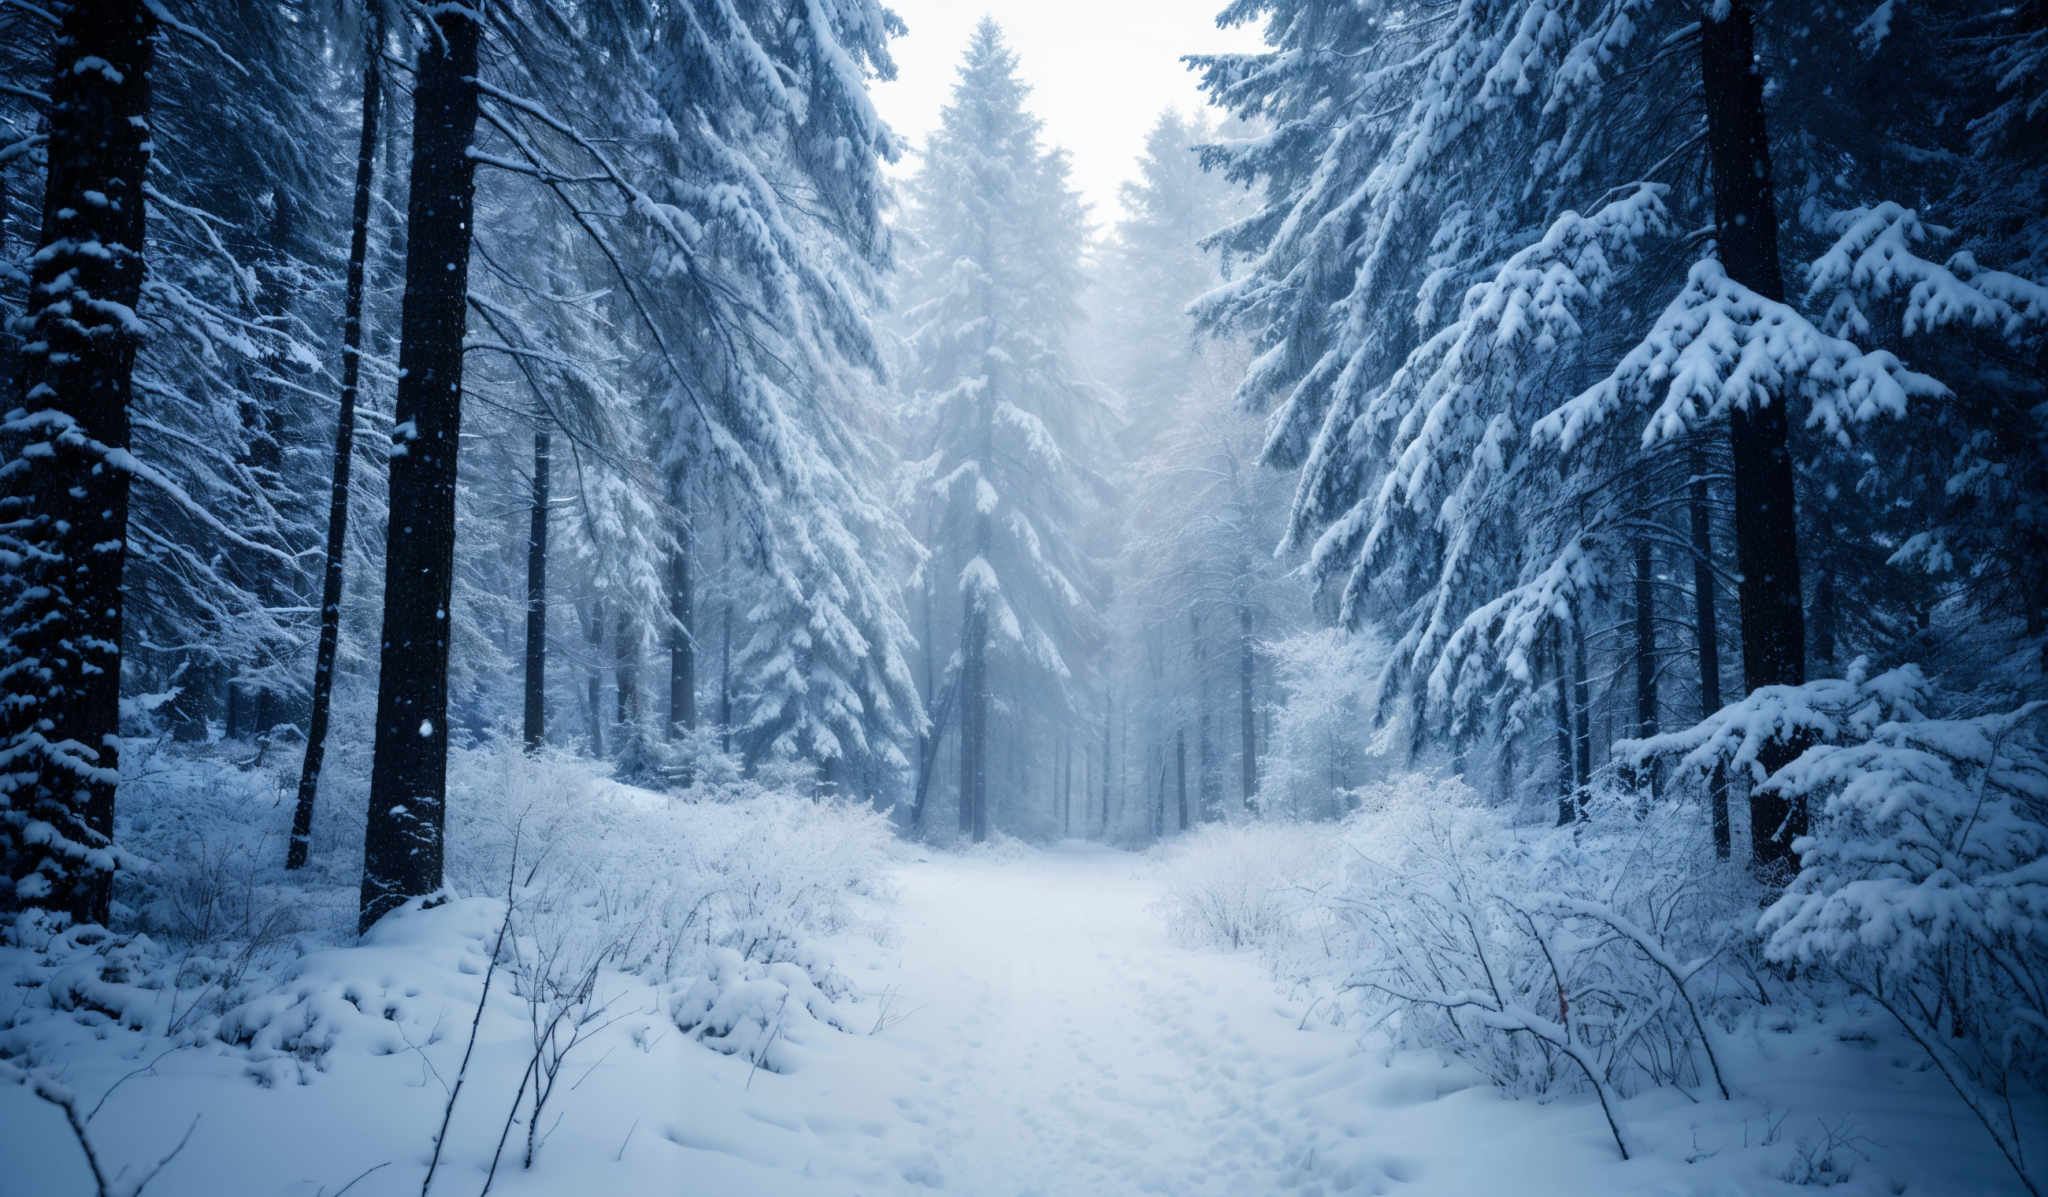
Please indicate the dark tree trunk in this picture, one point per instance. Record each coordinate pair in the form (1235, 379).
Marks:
(536, 713)
(1567, 784)
(594, 685)
(232, 706)
(1108, 715)
(1247, 711)
(344, 448)
(928, 645)
(402, 842)
(1067, 785)
(263, 457)
(1059, 783)
(974, 717)
(1766, 522)
(1646, 658)
(626, 685)
(1706, 633)
(682, 636)
(1582, 702)
(1180, 772)
(1155, 767)
(725, 656)
(63, 504)
(928, 750)
(1208, 787)
(1087, 786)
(1826, 619)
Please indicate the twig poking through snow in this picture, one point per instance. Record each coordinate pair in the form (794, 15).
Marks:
(770, 1042)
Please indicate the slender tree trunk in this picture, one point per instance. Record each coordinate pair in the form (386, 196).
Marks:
(1582, 702)
(1155, 781)
(537, 593)
(263, 455)
(344, 447)
(1061, 780)
(1247, 710)
(63, 502)
(1108, 717)
(1087, 786)
(1180, 771)
(1766, 520)
(1706, 633)
(725, 652)
(1208, 787)
(1567, 783)
(928, 646)
(974, 717)
(1826, 618)
(682, 637)
(594, 684)
(626, 683)
(1646, 656)
(402, 841)
(1067, 802)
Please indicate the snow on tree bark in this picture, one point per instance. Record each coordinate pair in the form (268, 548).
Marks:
(402, 840)
(64, 475)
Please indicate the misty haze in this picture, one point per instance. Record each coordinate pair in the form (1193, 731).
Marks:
(1036, 598)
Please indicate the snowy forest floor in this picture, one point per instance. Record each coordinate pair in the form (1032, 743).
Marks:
(1017, 1023)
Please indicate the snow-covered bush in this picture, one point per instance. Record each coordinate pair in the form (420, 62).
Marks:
(764, 1012)
(722, 897)
(208, 841)
(761, 871)
(1315, 755)
(1924, 885)
(1551, 959)
(1248, 885)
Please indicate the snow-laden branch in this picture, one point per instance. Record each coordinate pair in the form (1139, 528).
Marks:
(1720, 347)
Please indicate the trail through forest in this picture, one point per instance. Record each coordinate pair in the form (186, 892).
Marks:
(1014, 1022)
(1052, 1041)
(1044, 1036)
(1047, 1038)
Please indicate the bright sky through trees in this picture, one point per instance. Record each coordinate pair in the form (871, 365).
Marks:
(1099, 73)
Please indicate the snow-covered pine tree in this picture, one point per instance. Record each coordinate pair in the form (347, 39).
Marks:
(990, 298)
(823, 674)
(777, 413)
(1397, 177)
(1826, 359)
(1533, 157)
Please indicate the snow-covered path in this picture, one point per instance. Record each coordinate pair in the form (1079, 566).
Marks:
(1051, 1041)
(1047, 1040)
